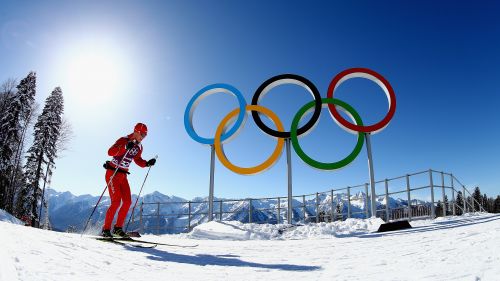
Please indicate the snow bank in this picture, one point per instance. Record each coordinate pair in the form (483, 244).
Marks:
(4, 216)
(235, 230)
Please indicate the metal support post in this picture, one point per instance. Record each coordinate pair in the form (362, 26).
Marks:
(140, 218)
(453, 195)
(317, 207)
(220, 210)
(332, 211)
(279, 211)
(304, 207)
(386, 200)
(348, 202)
(409, 196)
(367, 213)
(211, 190)
(431, 182)
(189, 216)
(250, 210)
(444, 194)
(371, 174)
(158, 217)
(289, 165)
(472, 204)
(464, 198)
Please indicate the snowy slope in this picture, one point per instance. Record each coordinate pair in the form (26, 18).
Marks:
(453, 248)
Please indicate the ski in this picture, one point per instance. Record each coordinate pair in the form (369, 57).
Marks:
(156, 243)
(136, 244)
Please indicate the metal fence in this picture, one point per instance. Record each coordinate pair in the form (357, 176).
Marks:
(408, 197)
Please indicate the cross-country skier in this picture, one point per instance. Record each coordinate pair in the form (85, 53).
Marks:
(124, 150)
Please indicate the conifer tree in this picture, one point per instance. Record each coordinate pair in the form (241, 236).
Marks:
(439, 209)
(496, 205)
(491, 205)
(7, 90)
(485, 202)
(476, 195)
(16, 107)
(446, 204)
(460, 203)
(43, 152)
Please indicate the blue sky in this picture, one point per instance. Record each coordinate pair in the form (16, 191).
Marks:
(145, 60)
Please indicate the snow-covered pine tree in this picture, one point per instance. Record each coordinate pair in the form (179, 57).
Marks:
(485, 202)
(460, 203)
(7, 89)
(446, 204)
(43, 152)
(496, 205)
(478, 198)
(490, 205)
(439, 209)
(17, 106)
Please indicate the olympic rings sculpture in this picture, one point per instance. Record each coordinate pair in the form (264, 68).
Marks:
(224, 133)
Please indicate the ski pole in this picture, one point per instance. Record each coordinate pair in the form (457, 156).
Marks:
(105, 188)
(138, 196)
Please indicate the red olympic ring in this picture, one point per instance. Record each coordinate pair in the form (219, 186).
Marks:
(375, 77)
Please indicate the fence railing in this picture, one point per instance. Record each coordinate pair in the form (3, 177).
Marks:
(408, 197)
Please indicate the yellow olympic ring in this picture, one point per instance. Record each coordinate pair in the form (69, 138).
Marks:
(219, 150)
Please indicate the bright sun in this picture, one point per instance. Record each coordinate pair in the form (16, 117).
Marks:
(93, 77)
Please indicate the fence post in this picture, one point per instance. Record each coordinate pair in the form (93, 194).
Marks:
(464, 199)
(444, 194)
(371, 174)
(220, 210)
(304, 207)
(250, 210)
(433, 208)
(386, 200)
(409, 196)
(189, 216)
(317, 207)
(366, 201)
(332, 211)
(140, 219)
(472, 203)
(211, 188)
(279, 211)
(289, 214)
(158, 217)
(348, 202)
(453, 195)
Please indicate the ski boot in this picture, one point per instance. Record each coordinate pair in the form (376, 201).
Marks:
(106, 234)
(119, 233)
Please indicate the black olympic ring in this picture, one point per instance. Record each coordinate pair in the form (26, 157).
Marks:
(281, 80)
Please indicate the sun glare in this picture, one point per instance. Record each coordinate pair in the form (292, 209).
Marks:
(93, 77)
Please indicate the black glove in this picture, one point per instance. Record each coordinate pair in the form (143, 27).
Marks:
(151, 162)
(129, 145)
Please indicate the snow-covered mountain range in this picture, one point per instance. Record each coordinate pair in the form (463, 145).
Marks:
(70, 212)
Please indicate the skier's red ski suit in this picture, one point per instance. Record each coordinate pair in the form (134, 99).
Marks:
(119, 189)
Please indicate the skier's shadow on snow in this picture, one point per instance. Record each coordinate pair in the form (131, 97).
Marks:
(221, 260)
(438, 225)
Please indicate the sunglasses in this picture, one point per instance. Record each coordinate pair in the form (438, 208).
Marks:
(143, 134)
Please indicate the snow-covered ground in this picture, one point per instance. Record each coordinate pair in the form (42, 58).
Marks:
(453, 248)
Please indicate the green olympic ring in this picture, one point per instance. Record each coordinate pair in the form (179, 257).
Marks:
(320, 165)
